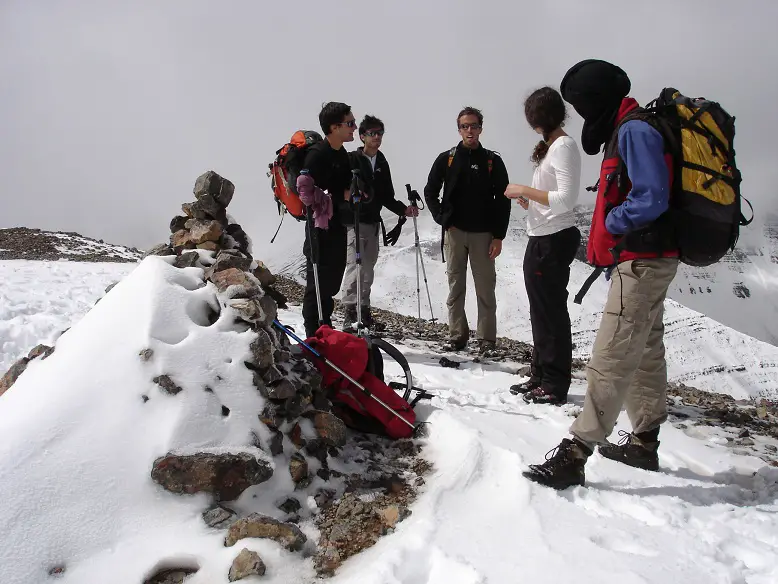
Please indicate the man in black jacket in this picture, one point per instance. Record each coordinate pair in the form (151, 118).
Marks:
(474, 215)
(379, 190)
(328, 163)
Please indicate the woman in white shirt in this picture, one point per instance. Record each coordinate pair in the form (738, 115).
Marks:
(553, 242)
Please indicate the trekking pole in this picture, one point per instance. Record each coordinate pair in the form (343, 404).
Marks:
(314, 242)
(334, 367)
(415, 199)
(356, 198)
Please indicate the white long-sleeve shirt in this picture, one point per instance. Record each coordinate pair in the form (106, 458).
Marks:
(559, 173)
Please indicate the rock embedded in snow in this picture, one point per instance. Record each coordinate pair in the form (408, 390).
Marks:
(298, 467)
(219, 517)
(161, 249)
(262, 526)
(171, 576)
(230, 259)
(10, 377)
(262, 350)
(167, 384)
(329, 427)
(189, 259)
(241, 283)
(246, 564)
(225, 476)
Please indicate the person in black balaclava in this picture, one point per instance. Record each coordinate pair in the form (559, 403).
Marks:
(595, 89)
(627, 366)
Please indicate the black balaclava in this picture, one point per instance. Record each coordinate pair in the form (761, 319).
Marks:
(595, 89)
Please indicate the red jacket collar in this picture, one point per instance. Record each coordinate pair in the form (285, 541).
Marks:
(627, 105)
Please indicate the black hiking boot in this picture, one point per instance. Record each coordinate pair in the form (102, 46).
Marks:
(369, 322)
(525, 387)
(540, 395)
(454, 345)
(487, 348)
(350, 319)
(564, 466)
(632, 451)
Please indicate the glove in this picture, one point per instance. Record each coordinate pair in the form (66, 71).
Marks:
(392, 237)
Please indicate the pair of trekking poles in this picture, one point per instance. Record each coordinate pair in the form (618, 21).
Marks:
(356, 198)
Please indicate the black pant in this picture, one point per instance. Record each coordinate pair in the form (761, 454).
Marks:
(330, 253)
(546, 275)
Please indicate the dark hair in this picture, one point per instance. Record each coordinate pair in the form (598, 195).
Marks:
(470, 111)
(332, 113)
(370, 123)
(544, 109)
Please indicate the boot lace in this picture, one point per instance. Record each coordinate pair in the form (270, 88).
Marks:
(625, 438)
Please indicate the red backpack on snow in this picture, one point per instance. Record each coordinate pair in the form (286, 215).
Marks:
(357, 409)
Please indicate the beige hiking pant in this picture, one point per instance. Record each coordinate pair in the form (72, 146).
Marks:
(459, 247)
(628, 358)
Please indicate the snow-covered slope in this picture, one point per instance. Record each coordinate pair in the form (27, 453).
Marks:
(700, 351)
(76, 444)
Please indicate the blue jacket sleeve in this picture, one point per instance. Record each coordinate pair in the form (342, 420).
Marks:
(642, 149)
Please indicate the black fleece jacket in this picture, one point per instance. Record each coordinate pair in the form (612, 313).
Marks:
(331, 172)
(378, 187)
(473, 198)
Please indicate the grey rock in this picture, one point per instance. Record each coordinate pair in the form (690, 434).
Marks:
(219, 517)
(167, 576)
(10, 377)
(161, 249)
(247, 564)
(167, 384)
(210, 183)
(177, 223)
(187, 260)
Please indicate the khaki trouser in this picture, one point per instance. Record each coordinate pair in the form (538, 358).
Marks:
(628, 358)
(368, 244)
(459, 246)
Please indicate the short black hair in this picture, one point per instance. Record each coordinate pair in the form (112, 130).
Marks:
(370, 123)
(471, 111)
(333, 112)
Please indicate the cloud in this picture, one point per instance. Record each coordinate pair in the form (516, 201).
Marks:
(111, 110)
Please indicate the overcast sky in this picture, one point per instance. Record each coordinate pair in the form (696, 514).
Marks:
(110, 110)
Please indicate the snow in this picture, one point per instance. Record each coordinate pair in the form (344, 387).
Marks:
(77, 443)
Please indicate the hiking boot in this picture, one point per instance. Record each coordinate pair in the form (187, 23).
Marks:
(564, 466)
(487, 348)
(632, 451)
(525, 387)
(349, 318)
(454, 345)
(369, 322)
(539, 395)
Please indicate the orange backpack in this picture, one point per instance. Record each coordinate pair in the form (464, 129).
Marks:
(285, 169)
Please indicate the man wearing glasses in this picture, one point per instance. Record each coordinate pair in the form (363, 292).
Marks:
(328, 165)
(377, 183)
(474, 216)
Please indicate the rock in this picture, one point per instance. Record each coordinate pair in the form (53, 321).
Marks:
(178, 223)
(770, 448)
(201, 230)
(262, 350)
(225, 476)
(208, 246)
(232, 277)
(167, 384)
(39, 350)
(187, 260)
(294, 407)
(110, 287)
(262, 526)
(744, 433)
(524, 371)
(181, 240)
(761, 412)
(298, 467)
(320, 401)
(219, 517)
(745, 442)
(329, 427)
(207, 207)
(324, 497)
(271, 416)
(248, 309)
(220, 188)
(271, 375)
(174, 576)
(264, 275)
(231, 259)
(281, 390)
(277, 444)
(247, 564)
(277, 297)
(328, 561)
(290, 505)
(10, 377)
(239, 236)
(57, 571)
(193, 210)
(296, 436)
(161, 249)
(389, 516)
(146, 354)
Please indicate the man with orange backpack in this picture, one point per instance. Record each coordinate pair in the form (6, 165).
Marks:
(324, 186)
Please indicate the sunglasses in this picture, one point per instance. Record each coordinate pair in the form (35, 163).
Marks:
(469, 126)
(374, 133)
(350, 124)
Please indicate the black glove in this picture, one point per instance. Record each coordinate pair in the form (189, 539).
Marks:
(392, 237)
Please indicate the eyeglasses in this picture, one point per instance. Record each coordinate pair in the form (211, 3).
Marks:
(349, 123)
(374, 133)
(469, 126)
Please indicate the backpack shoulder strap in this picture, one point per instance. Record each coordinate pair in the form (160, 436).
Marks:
(451, 154)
